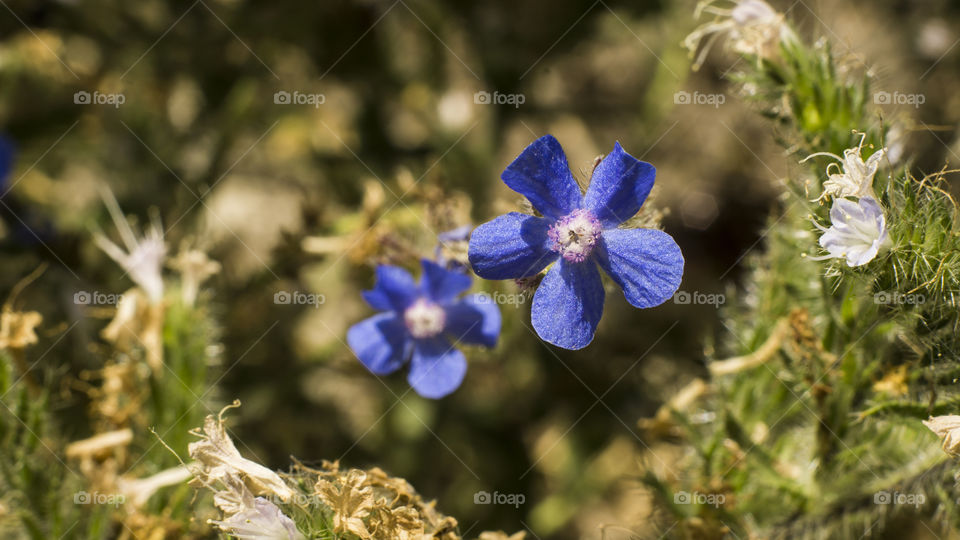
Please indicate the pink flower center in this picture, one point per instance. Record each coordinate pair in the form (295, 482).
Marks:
(424, 319)
(575, 236)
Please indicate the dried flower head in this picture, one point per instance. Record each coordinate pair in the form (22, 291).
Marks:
(351, 501)
(372, 504)
(18, 328)
(138, 322)
(855, 179)
(947, 427)
(752, 27)
(217, 459)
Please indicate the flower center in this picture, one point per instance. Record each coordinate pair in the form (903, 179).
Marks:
(424, 319)
(575, 236)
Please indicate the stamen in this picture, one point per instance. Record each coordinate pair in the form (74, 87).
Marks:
(424, 319)
(575, 236)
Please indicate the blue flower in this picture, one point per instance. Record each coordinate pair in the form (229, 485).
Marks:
(423, 322)
(578, 232)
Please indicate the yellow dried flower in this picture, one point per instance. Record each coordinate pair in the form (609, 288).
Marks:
(18, 328)
(351, 502)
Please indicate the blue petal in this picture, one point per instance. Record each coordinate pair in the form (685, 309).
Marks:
(618, 188)
(475, 319)
(510, 247)
(437, 368)
(7, 158)
(393, 291)
(568, 304)
(541, 174)
(379, 342)
(442, 285)
(646, 263)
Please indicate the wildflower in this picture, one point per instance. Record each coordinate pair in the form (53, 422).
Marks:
(947, 427)
(752, 26)
(858, 231)
(856, 180)
(137, 491)
(143, 258)
(259, 519)
(418, 322)
(578, 232)
(194, 267)
(218, 459)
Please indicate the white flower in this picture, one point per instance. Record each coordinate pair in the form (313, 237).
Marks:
(259, 519)
(856, 179)
(194, 267)
(139, 490)
(143, 258)
(752, 26)
(946, 427)
(857, 231)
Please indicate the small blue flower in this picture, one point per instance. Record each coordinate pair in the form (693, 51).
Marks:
(423, 322)
(579, 232)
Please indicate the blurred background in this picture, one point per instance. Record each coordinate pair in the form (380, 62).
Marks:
(300, 144)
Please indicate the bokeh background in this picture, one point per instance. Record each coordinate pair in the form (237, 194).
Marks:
(393, 141)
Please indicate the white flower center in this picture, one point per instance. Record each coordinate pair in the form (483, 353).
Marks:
(424, 319)
(575, 236)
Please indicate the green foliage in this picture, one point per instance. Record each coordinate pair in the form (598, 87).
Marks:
(37, 487)
(804, 442)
